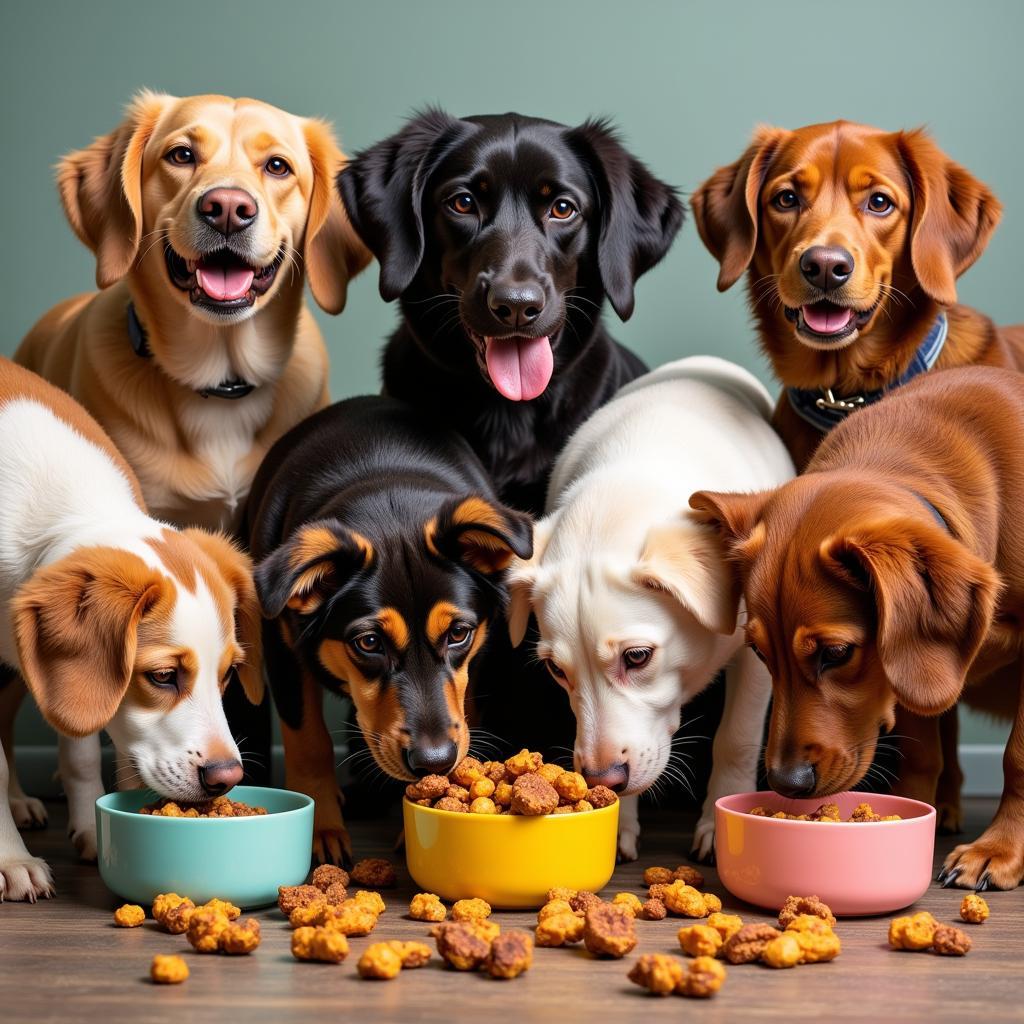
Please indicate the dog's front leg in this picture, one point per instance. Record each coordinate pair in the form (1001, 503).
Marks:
(737, 746)
(27, 811)
(22, 876)
(921, 764)
(629, 827)
(996, 859)
(80, 762)
(309, 769)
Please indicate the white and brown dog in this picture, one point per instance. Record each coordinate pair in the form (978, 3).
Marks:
(206, 215)
(114, 620)
(635, 603)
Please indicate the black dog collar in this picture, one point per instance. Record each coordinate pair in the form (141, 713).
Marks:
(231, 389)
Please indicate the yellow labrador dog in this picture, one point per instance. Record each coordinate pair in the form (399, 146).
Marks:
(206, 215)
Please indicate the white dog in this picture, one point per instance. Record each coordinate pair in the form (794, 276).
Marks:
(636, 607)
(113, 620)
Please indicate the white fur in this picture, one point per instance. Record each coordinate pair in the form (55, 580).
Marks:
(58, 493)
(623, 480)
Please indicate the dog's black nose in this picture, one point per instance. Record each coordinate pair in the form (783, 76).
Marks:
(227, 209)
(515, 304)
(826, 266)
(218, 777)
(432, 759)
(794, 780)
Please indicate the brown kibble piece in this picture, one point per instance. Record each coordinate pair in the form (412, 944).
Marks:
(691, 876)
(601, 796)
(704, 977)
(570, 787)
(240, 937)
(374, 873)
(327, 875)
(511, 954)
(609, 931)
(323, 944)
(658, 876)
(583, 901)
(291, 896)
(462, 945)
(531, 795)
(653, 910)
(205, 928)
(172, 912)
(950, 941)
(797, 905)
(747, 945)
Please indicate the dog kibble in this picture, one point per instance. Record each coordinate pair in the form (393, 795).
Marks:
(747, 945)
(328, 875)
(700, 940)
(658, 973)
(522, 785)
(463, 945)
(628, 900)
(172, 912)
(653, 910)
(827, 813)
(950, 941)
(168, 970)
(609, 931)
(795, 906)
(129, 916)
(973, 908)
(375, 873)
(914, 932)
(427, 906)
(218, 807)
(471, 910)
(511, 954)
(322, 944)
(379, 961)
(291, 896)
(703, 978)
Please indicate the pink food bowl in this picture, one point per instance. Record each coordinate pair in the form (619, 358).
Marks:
(855, 867)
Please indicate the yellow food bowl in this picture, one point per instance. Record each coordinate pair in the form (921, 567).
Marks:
(510, 860)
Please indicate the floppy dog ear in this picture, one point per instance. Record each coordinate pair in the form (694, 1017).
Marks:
(640, 214)
(382, 189)
(101, 189)
(521, 580)
(734, 516)
(954, 216)
(481, 535)
(76, 628)
(725, 207)
(317, 560)
(236, 568)
(688, 561)
(333, 252)
(935, 603)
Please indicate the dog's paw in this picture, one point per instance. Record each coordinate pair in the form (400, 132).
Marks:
(84, 841)
(25, 878)
(629, 840)
(28, 812)
(995, 861)
(332, 846)
(703, 851)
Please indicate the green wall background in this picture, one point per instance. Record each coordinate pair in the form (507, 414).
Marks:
(686, 81)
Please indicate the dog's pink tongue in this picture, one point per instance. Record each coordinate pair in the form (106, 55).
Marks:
(225, 283)
(520, 368)
(825, 318)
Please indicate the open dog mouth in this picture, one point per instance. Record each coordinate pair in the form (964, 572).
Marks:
(221, 280)
(828, 322)
(518, 367)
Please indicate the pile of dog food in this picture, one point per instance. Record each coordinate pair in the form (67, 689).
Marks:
(827, 812)
(218, 807)
(523, 784)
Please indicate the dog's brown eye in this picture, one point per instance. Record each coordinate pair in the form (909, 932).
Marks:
(562, 209)
(368, 643)
(167, 678)
(637, 657)
(834, 655)
(787, 199)
(462, 203)
(880, 203)
(458, 634)
(277, 167)
(181, 156)
(554, 669)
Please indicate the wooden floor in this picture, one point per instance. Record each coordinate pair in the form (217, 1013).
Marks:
(62, 960)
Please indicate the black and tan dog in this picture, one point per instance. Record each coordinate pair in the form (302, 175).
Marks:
(381, 548)
(501, 236)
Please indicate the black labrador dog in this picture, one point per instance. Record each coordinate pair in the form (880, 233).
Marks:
(501, 236)
(381, 548)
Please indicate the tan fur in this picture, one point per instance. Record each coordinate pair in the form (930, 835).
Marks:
(120, 198)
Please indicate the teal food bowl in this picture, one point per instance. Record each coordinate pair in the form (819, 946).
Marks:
(243, 860)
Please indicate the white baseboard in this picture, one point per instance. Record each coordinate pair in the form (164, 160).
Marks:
(982, 765)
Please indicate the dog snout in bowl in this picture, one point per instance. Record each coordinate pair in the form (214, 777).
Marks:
(217, 777)
(793, 779)
(227, 210)
(432, 757)
(615, 776)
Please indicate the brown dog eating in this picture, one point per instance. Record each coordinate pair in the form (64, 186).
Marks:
(852, 240)
(891, 574)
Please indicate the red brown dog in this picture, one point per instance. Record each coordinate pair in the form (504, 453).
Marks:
(852, 240)
(892, 574)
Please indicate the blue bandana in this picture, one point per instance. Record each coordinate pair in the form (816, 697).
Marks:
(824, 410)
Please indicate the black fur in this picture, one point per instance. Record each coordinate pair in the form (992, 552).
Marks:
(371, 469)
(443, 266)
